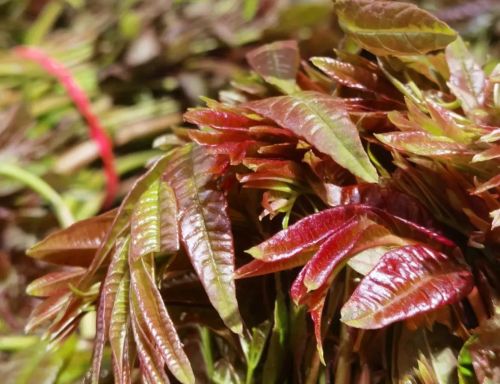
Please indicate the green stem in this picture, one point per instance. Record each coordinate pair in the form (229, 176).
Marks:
(61, 211)
(16, 343)
(44, 22)
(206, 350)
(343, 370)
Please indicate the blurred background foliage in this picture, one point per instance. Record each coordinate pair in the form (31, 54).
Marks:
(141, 63)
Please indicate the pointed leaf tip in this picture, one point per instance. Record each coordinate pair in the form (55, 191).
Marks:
(205, 229)
(324, 122)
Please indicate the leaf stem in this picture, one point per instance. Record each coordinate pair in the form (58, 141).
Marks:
(206, 350)
(343, 370)
(61, 211)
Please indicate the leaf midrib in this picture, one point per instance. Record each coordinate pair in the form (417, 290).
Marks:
(324, 119)
(205, 232)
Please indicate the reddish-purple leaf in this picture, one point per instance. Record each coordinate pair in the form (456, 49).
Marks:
(159, 328)
(304, 235)
(408, 281)
(324, 122)
(333, 251)
(267, 132)
(278, 150)
(205, 228)
(308, 233)
(120, 332)
(75, 245)
(259, 267)
(47, 310)
(217, 138)
(347, 74)
(218, 118)
(55, 282)
(389, 199)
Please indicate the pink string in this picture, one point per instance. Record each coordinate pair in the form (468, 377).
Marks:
(81, 101)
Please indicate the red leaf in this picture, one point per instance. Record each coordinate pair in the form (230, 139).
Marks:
(347, 74)
(333, 252)
(324, 122)
(259, 267)
(389, 199)
(205, 228)
(75, 245)
(54, 282)
(218, 118)
(47, 310)
(266, 132)
(304, 235)
(408, 281)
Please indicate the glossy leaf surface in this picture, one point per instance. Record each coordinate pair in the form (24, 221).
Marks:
(467, 79)
(81, 240)
(159, 327)
(153, 223)
(324, 122)
(205, 228)
(407, 281)
(392, 28)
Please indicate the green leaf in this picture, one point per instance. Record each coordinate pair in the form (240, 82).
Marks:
(205, 228)
(254, 347)
(123, 216)
(466, 373)
(120, 332)
(153, 225)
(392, 28)
(324, 122)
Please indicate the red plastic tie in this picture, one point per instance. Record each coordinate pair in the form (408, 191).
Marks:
(81, 101)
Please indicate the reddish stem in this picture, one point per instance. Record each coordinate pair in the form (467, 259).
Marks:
(81, 101)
